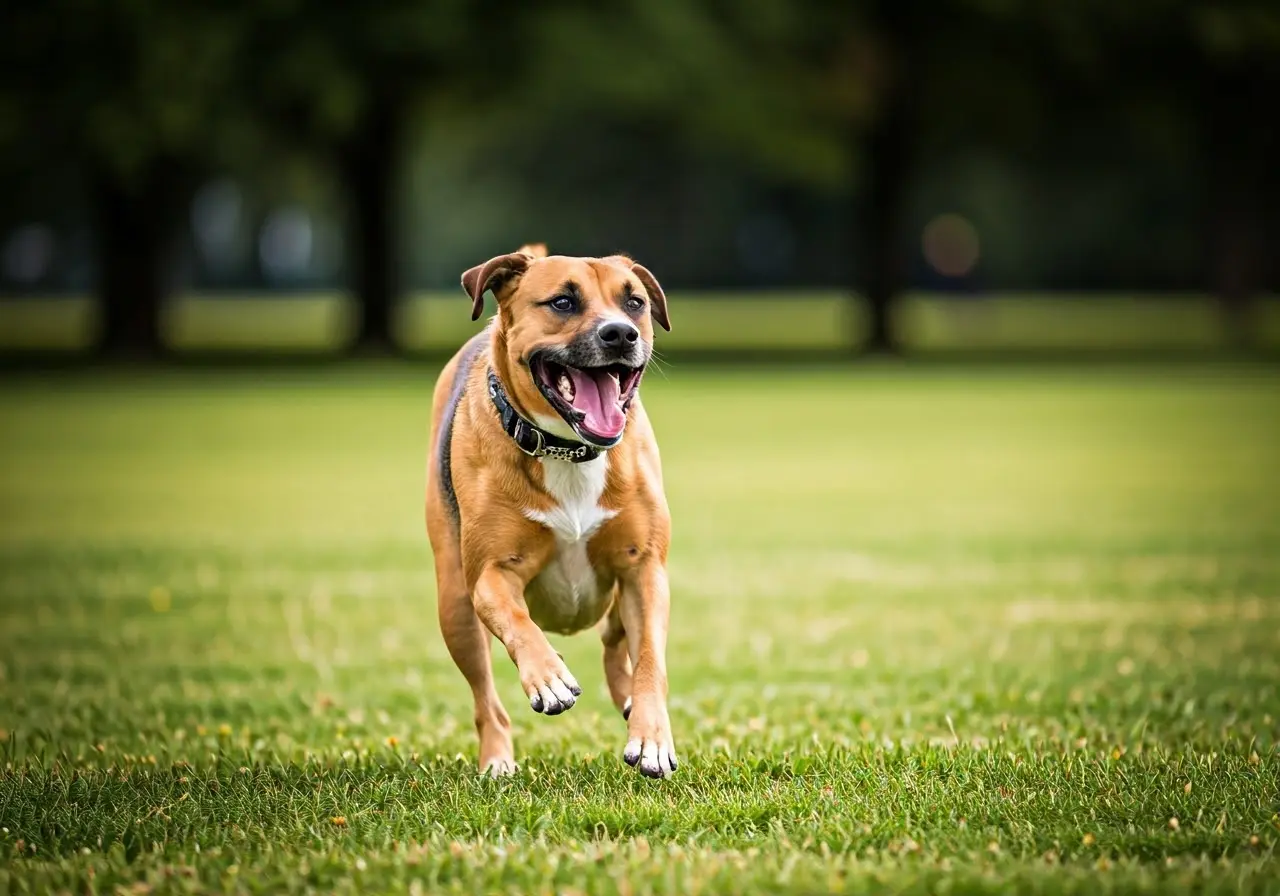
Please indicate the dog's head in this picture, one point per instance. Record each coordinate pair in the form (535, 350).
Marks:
(576, 335)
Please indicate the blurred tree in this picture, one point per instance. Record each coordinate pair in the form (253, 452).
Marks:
(890, 41)
(833, 94)
(138, 100)
(1228, 82)
(938, 78)
(141, 100)
(856, 95)
(346, 85)
(1198, 77)
(131, 101)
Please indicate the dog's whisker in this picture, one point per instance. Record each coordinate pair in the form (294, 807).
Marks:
(659, 363)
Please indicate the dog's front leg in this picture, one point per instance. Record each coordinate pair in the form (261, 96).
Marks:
(646, 610)
(499, 602)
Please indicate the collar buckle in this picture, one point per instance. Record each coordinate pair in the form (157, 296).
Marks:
(540, 448)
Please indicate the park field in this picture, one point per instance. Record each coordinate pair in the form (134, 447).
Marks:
(434, 324)
(945, 627)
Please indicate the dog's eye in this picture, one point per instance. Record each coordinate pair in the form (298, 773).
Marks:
(634, 305)
(562, 303)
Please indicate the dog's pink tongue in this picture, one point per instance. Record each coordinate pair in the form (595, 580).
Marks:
(596, 395)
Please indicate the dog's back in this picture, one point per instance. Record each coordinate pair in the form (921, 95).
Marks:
(450, 388)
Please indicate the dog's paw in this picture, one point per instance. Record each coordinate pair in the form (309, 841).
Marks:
(499, 767)
(650, 747)
(552, 689)
(654, 758)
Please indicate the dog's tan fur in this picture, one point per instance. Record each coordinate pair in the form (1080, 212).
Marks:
(486, 560)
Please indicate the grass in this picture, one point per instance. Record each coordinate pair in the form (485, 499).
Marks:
(435, 323)
(940, 628)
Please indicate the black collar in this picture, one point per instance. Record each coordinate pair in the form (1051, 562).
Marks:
(531, 440)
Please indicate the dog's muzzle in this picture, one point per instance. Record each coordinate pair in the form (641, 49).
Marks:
(592, 381)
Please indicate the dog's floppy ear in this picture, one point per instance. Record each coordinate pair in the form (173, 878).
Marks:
(657, 298)
(491, 275)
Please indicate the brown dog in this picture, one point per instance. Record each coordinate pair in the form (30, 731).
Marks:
(545, 506)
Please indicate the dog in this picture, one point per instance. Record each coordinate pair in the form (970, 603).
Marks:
(545, 506)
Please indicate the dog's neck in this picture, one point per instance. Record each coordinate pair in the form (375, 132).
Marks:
(530, 438)
(543, 429)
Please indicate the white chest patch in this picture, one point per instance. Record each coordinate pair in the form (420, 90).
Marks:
(568, 595)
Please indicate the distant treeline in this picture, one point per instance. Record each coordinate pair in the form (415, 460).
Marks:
(965, 146)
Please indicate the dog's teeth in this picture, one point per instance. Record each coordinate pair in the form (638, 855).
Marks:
(565, 385)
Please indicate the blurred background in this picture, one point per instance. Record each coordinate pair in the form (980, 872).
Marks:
(1072, 568)
(286, 177)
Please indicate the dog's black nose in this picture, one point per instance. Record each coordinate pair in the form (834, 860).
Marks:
(617, 333)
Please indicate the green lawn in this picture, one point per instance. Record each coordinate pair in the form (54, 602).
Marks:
(435, 323)
(934, 627)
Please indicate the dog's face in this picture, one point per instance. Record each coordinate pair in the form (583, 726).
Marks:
(578, 334)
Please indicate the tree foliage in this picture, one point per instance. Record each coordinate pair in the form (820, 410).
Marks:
(135, 100)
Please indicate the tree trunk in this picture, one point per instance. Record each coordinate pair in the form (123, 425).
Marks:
(132, 242)
(369, 164)
(1239, 156)
(883, 275)
(1233, 264)
(888, 152)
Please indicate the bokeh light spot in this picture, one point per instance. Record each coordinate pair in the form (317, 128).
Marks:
(951, 245)
(28, 253)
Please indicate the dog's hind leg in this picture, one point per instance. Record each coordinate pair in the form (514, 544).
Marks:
(617, 658)
(469, 642)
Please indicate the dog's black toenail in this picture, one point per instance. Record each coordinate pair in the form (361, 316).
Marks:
(536, 702)
(576, 691)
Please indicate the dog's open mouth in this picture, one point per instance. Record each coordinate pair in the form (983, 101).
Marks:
(593, 400)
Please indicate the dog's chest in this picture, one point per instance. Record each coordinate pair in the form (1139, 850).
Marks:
(569, 595)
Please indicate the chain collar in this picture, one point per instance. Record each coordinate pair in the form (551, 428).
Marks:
(530, 439)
